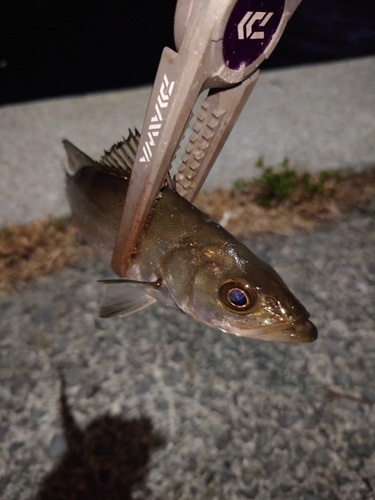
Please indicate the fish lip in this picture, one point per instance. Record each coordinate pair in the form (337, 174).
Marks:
(301, 330)
(297, 331)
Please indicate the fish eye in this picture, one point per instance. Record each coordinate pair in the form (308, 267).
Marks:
(237, 296)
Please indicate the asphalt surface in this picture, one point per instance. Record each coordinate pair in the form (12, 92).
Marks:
(239, 418)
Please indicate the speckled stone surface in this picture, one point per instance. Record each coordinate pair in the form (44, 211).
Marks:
(240, 418)
(318, 116)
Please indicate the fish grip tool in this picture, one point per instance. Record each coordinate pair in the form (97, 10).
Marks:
(220, 45)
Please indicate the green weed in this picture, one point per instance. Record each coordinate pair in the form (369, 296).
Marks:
(276, 185)
(282, 183)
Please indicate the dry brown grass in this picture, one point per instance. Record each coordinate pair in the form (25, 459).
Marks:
(41, 247)
(45, 246)
(240, 213)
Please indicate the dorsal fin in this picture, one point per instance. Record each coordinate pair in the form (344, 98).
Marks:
(76, 158)
(122, 155)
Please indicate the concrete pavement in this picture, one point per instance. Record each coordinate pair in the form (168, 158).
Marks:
(320, 116)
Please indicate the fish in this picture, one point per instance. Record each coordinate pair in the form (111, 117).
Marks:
(183, 258)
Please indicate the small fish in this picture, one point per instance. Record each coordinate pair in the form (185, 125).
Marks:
(183, 258)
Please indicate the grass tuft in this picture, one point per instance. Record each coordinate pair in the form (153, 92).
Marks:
(277, 185)
(38, 248)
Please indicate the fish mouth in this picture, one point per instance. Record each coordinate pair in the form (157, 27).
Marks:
(300, 331)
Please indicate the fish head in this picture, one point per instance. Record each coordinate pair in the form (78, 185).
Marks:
(229, 288)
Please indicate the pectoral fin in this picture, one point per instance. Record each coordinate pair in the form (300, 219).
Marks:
(123, 297)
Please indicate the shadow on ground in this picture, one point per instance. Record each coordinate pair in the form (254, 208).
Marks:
(105, 460)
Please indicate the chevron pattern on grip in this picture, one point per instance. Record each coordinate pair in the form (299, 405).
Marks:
(162, 103)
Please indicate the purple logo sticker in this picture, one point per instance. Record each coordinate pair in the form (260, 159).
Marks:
(250, 29)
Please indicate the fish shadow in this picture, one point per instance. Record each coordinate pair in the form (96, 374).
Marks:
(103, 461)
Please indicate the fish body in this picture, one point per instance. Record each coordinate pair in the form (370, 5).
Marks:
(183, 258)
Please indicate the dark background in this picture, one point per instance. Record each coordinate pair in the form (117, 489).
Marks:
(53, 47)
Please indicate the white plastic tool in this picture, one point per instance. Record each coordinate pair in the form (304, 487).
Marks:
(220, 44)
